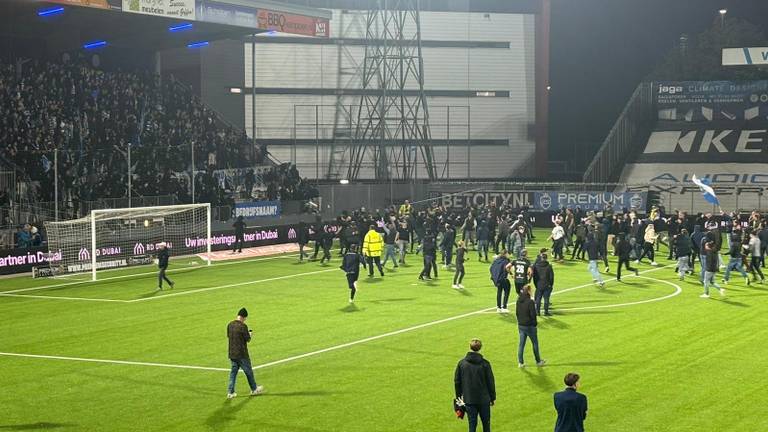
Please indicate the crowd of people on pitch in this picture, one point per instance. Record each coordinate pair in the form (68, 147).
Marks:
(389, 234)
(91, 116)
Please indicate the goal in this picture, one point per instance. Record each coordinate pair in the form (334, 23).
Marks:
(113, 238)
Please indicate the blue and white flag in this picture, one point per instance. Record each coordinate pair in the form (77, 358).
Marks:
(706, 189)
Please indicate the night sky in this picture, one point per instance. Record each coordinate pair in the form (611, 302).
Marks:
(602, 49)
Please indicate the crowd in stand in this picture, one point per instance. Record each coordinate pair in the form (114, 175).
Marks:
(92, 116)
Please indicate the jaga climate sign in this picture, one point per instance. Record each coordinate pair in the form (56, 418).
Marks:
(184, 9)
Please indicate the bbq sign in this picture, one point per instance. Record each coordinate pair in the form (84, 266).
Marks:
(292, 23)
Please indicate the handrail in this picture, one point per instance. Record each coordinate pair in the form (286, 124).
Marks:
(618, 143)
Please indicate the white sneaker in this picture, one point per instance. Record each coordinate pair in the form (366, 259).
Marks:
(454, 286)
(521, 365)
(541, 363)
(461, 286)
(607, 269)
(498, 310)
(504, 310)
(259, 390)
(722, 292)
(704, 296)
(637, 261)
(351, 300)
(654, 263)
(231, 395)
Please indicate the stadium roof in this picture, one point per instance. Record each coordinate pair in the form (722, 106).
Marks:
(79, 25)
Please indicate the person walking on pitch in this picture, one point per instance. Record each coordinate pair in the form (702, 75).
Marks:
(734, 263)
(526, 325)
(372, 246)
(500, 276)
(475, 386)
(239, 336)
(351, 265)
(624, 251)
(754, 251)
(461, 252)
(571, 406)
(593, 255)
(239, 227)
(162, 264)
(522, 269)
(544, 280)
(711, 265)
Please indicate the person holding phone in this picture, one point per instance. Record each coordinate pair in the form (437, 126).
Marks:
(239, 335)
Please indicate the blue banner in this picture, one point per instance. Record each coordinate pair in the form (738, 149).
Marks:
(257, 209)
(596, 201)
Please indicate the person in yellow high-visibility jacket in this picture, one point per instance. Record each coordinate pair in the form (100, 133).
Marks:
(405, 209)
(373, 244)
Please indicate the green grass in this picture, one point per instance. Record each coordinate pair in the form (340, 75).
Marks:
(679, 364)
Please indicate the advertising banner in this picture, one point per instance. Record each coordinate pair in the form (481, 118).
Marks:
(596, 201)
(477, 198)
(707, 101)
(257, 209)
(98, 4)
(22, 260)
(227, 14)
(745, 56)
(182, 9)
(292, 23)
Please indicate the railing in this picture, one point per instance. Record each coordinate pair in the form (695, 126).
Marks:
(619, 143)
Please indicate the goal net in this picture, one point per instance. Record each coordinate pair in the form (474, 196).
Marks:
(112, 238)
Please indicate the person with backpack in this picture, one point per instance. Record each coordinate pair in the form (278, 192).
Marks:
(500, 269)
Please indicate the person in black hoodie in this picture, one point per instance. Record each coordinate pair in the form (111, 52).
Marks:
(326, 242)
(526, 325)
(447, 245)
(461, 252)
(683, 250)
(623, 251)
(351, 265)
(302, 237)
(544, 280)
(474, 384)
(429, 251)
(696, 250)
(162, 264)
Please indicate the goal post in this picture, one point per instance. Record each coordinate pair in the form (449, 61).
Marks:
(114, 238)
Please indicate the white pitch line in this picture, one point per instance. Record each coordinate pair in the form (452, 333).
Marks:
(64, 298)
(201, 266)
(332, 348)
(122, 362)
(230, 285)
(678, 290)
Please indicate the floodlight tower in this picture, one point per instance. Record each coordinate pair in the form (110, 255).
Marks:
(392, 132)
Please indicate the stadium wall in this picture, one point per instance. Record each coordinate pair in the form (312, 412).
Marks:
(464, 53)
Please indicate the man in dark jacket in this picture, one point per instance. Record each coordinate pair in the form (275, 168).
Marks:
(623, 251)
(475, 385)
(500, 276)
(447, 245)
(696, 251)
(571, 406)
(544, 279)
(483, 234)
(162, 264)
(239, 336)
(351, 266)
(526, 325)
(710, 265)
(429, 249)
(592, 247)
(239, 227)
(683, 249)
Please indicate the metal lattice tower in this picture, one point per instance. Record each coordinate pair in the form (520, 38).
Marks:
(392, 127)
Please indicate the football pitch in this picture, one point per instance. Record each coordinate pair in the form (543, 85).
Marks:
(115, 355)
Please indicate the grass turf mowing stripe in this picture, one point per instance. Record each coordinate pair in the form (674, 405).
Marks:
(84, 281)
(64, 298)
(678, 290)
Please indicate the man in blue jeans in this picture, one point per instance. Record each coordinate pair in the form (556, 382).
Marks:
(526, 324)
(239, 336)
(475, 386)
